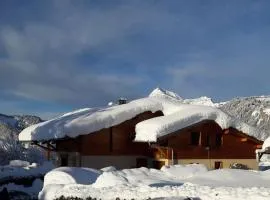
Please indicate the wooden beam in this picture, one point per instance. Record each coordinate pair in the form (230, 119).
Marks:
(49, 147)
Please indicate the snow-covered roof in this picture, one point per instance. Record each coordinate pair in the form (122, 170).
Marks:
(186, 115)
(177, 115)
(85, 121)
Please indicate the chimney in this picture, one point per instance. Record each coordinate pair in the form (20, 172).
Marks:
(122, 101)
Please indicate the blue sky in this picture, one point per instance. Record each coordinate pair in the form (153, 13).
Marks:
(56, 56)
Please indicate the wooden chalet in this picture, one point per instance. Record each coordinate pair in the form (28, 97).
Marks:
(200, 141)
(204, 142)
(110, 146)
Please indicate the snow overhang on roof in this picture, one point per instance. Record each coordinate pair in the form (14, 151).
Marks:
(186, 115)
(85, 121)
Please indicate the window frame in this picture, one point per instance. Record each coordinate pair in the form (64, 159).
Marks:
(219, 140)
(197, 139)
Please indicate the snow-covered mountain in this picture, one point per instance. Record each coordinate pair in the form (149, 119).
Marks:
(205, 101)
(19, 121)
(159, 92)
(254, 111)
(10, 127)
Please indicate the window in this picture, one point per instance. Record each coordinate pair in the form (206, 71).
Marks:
(132, 136)
(164, 143)
(195, 138)
(218, 165)
(64, 160)
(207, 143)
(218, 140)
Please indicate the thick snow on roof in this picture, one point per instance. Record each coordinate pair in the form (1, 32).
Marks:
(178, 116)
(88, 120)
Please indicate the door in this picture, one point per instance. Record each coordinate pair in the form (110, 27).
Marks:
(64, 160)
(158, 164)
(141, 162)
(218, 165)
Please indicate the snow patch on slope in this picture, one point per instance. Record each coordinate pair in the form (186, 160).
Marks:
(9, 120)
(205, 101)
(159, 92)
(267, 111)
(251, 110)
(169, 95)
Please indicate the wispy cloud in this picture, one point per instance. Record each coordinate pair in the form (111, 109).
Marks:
(86, 53)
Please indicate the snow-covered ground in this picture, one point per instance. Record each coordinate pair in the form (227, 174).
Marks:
(176, 182)
(18, 170)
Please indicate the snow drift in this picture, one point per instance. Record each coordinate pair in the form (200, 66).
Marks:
(175, 181)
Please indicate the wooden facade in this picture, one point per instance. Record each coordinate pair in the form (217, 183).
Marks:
(197, 143)
(222, 144)
(210, 143)
(114, 141)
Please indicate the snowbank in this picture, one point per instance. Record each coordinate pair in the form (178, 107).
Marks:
(22, 172)
(134, 177)
(19, 163)
(71, 175)
(174, 182)
(193, 191)
(184, 171)
(19, 169)
(108, 169)
(88, 120)
(168, 175)
(59, 177)
(233, 178)
(31, 192)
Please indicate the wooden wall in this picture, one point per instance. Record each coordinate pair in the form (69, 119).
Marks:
(234, 145)
(117, 140)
